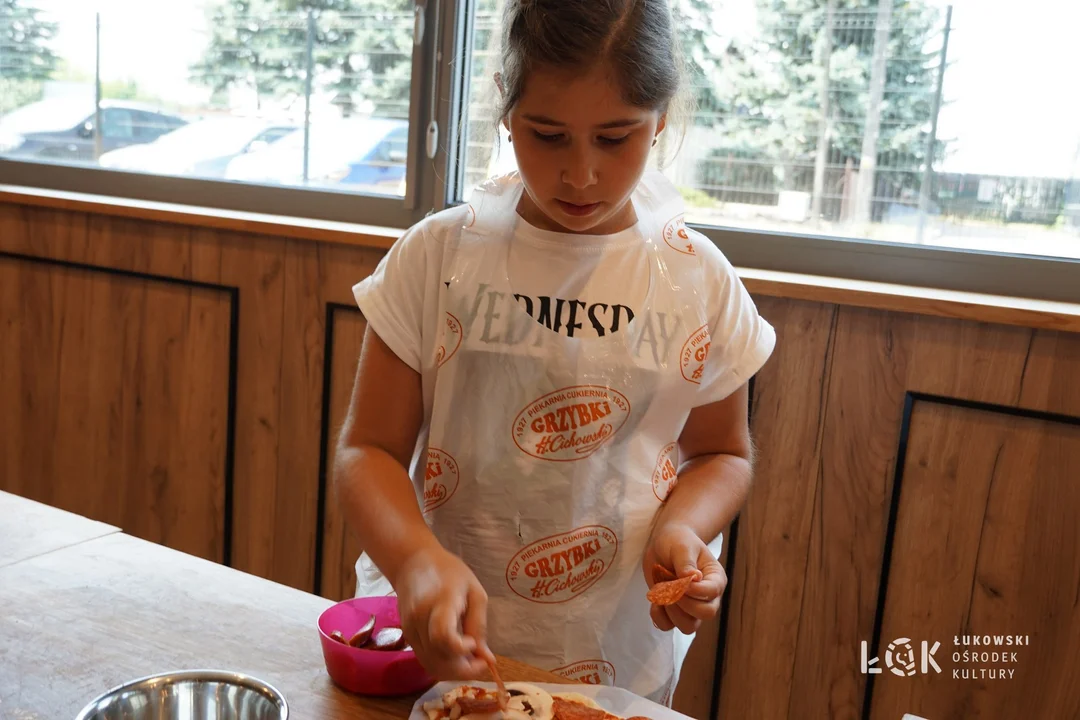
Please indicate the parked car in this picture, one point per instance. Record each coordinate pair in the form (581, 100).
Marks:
(365, 153)
(202, 148)
(63, 128)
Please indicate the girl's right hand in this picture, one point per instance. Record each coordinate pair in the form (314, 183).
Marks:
(443, 614)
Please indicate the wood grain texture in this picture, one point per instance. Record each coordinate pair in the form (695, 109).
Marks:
(116, 608)
(695, 693)
(988, 505)
(29, 529)
(872, 359)
(774, 527)
(976, 307)
(877, 358)
(323, 231)
(827, 414)
(341, 548)
(115, 402)
(915, 300)
(282, 288)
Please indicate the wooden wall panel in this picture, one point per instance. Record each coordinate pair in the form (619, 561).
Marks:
(870, 360)
(695, 695)
(281, 288)
(985, 544)
(340, 546)
(116, 399)
(774, 528)
(806, 574)
(1052, 375)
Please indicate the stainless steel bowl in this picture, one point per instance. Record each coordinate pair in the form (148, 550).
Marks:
(190, 695)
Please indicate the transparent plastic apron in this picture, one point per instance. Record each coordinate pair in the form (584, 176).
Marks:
(548, 457)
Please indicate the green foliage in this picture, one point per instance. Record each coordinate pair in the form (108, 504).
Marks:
(16, 93)
(361, 51)
(769, 89)
(24, 42)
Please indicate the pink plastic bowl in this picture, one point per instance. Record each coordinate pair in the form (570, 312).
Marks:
(369, 672)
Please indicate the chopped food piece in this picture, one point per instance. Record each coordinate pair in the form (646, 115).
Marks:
(483, 706)
(578, 698)
(530, 700)
(569, 710)
(360, 639)
(670, 592)
(527, 702)
(336, 635)
(389, 638)
(662, 574)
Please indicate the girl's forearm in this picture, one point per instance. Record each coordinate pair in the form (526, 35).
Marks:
(379, 504)
(709, 494)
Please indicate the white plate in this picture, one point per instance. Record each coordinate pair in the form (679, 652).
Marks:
(615, 700)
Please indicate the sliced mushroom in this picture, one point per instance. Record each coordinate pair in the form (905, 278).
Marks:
(530, 701)
(389, 638)
(360, 639)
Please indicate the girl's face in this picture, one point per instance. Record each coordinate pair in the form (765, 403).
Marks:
(581, 151)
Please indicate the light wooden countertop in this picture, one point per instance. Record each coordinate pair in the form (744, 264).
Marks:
(29, 529)
(79, 619)
(976, 307)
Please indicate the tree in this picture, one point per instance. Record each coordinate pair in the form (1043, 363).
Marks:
(771, 90)
(245, 51)
(26, 59)
(361, 51)
(693, 21)
(364, 50)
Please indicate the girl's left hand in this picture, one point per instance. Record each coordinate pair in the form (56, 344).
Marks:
(679, 549)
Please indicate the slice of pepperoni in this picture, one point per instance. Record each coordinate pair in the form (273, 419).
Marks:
(671, 591)
(563, 709)
(478, 706)
(662, 574)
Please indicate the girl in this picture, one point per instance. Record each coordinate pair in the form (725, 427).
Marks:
(545, 363)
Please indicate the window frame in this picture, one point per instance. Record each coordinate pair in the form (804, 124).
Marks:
(422, 174)
(441, 69)
(976, 271)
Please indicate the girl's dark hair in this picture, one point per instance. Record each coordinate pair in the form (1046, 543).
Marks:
(634, 38)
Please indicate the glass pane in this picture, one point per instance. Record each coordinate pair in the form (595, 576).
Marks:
(215, 89)
(816, 122)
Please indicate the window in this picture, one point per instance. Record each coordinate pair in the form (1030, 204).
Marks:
(818, 117)
(273, 92)
(890, 140)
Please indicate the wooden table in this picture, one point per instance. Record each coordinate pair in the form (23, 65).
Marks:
(86, 616)
(29, 528)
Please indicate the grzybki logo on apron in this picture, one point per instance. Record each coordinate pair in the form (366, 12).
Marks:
(570, 424)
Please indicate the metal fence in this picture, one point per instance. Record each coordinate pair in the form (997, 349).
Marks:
(306, 69)
(827, 116)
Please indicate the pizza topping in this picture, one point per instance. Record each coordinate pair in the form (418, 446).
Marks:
(660, 574)
(569, 710)
(526, 702)
(670, 592)
(360, 639)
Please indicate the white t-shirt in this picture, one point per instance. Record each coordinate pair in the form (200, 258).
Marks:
(577, 285)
